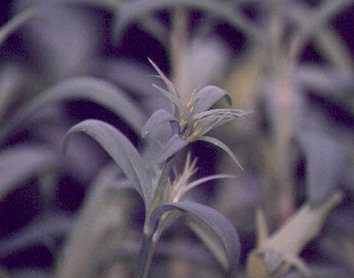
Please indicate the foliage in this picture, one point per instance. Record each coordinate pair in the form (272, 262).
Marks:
(150, 84)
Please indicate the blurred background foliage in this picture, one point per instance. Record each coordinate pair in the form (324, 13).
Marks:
(63, 61)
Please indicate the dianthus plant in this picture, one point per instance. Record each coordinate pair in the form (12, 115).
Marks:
(158, 182)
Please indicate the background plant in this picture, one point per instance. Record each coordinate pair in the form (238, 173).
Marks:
(288, 61)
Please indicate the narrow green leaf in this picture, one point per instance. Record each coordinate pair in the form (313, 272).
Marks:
(311, 24)
(175, 144)
(105, 208)
(200, 181)
(208, 96)
(21, 162)
(164, 78)
(121, 150)
(80, 88)
(222, 146)
(134, 10)
(208, 120)
(178, 107)
(325, 163)
(211, 226)
(228, 114)
(16, 22)
(39, 231)
(159, 117)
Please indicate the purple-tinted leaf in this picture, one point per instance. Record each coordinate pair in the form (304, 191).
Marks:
(168, 83)
(208, 120)
(80, 88)
(208, 96)
(39, 231)
(222, 146)
(210, 225)
(175, 144)
(200, 181)
(135, 10)
(16, 22)
(157, 118)
(325, 162)
(121, 150)
(21, 162)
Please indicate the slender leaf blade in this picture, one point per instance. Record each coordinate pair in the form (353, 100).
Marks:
(80, 88)
(200, 181)
(132, 11)
(208, 96)
(159, 117)
(208, 120)
(175, 144)
(221, 145)
(37, 232)
(211, 226)
(164, 78)
(16, 22)
(21, 162)
(325, 162)
(121, 150)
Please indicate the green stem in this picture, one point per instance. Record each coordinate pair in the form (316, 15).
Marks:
(145, 256)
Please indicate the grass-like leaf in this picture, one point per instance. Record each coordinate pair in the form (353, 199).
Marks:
(172, 95)
(16, 22)
(104, 209)
(164, 78)
(175, 144)
(222, 146)
(208, 96)
(211, 226)
(21, 162)
(200, 181)
(312, 24)
(211, 119)
(325, 161)
(80, 88)
(158, 118)
(40, 231)
(132, 11)
(121, 150)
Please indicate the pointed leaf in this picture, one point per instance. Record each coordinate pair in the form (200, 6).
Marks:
(134, 10)
(80, 88)
(157, 118)
(208, 96)
(21, 162)
(313, 23)
(164, 78)
(16, 22)
(325, 163)
(178, 106)
(122, 152)
(222, 146)
(173, 96)
(200, 181)
(39, 231)
(175, 144)
(208, 120)
(210, 225)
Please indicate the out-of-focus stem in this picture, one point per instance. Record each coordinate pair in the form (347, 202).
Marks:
(178, 53)
(281, 106)
(145, 257)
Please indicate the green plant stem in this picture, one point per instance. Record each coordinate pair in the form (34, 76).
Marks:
(178, 53)
(145, 256)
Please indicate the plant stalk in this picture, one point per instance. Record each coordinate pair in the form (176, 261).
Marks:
(143, 263)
